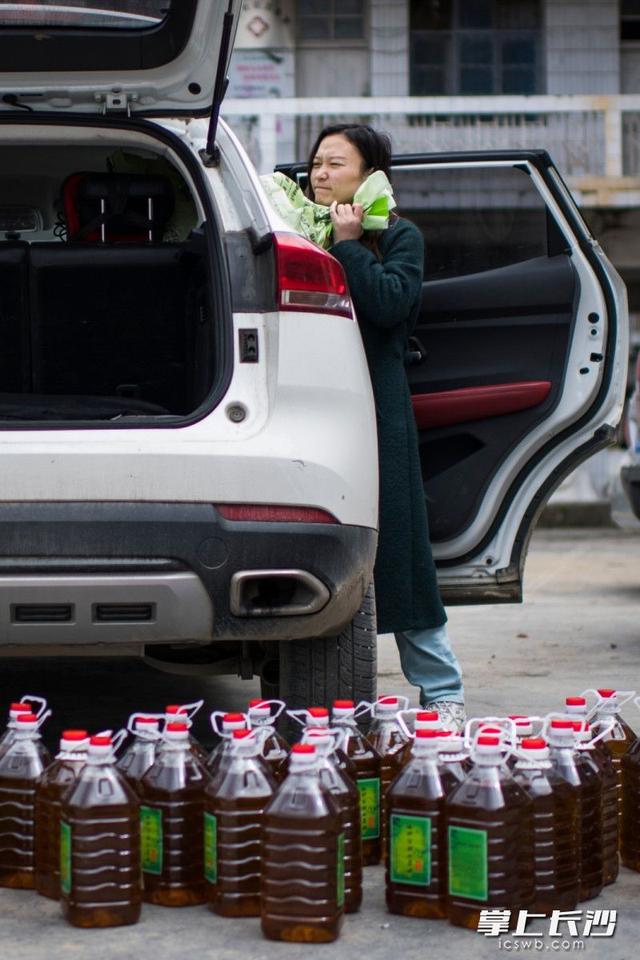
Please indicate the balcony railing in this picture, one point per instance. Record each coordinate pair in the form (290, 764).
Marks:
(594, 140)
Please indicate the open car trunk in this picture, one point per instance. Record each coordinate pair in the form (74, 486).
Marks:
(106, 301)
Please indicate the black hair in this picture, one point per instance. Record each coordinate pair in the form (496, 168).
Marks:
(373, 147)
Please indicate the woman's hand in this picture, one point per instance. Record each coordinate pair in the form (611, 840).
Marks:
(347, 221)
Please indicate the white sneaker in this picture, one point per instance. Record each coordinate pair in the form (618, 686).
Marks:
(452, 715)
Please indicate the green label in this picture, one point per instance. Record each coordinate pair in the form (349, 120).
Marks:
(468, 863)
(410, 849)
(340, 871)
(151, 839)
(65, 857)
(210, 848)
(370, 808)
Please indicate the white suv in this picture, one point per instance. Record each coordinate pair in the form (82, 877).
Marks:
(187, 428)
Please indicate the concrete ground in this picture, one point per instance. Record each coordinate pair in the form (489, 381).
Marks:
(579, 627)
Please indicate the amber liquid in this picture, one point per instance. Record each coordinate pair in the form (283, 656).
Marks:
(20, 766)
(102, 814)
(630, 839)
(366, 761)
(418, 792)
(617, 749)
(556, 839)
(347, 800)
(389, 741)
(490, 801)
(173, 788)
(580, 771)
(52, 784)
(275, 751)
(300, 895)
(237, 798)
(610, 814)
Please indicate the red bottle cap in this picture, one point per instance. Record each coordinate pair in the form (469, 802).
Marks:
(518, 716)
(562, 724)
(428, 734)
(233, 718)
(607, 692)
(100, 741)
(486, 741)
(387, 700)
(146, 720)
(575, 701)
(241, 734)
(318, 712)
(175, 708)
(343, 704)
(428, 715)
(491, 730)
(580, 726)
(535, 743)
(303, 748)
(74, 734)
(258, 703)
(20, 707)
(177, 727)
(26, 718)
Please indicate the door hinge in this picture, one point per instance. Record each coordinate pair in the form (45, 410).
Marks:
(116, 102)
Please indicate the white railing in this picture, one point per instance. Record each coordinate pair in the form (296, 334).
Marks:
(594, 140)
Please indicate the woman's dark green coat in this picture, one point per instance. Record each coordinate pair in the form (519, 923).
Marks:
(386, 293)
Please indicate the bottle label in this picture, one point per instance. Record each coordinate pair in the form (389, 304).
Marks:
(151, 839)
(210, 848)
(468, 863)
(340, 871)
(410, 839)
(370, 808)
(65, 857)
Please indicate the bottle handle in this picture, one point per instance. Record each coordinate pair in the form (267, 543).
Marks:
(636, 700)
(33, 698)
(365, 706)
(334, 732)
(190, 709)
(144, 734)
(217, 729)
(409, 734)
(280, 707)
(505, 722)
(118, 739)
(606, 726)
(41, 717)
(300, 716)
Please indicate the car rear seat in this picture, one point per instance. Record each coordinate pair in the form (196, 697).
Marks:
(111, 320)
(14, 317)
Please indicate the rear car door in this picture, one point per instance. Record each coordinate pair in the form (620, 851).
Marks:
(517, 364)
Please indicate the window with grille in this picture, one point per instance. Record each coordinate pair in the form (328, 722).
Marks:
(479, 47)
(318, 20)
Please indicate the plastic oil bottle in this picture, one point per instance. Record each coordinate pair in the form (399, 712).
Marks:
(556, 828)
(171, 823)
(366, 760)
(235, 801)
(8, 734)
(423, 720)
(620, 737)
(490, 848)
(141, 752)
(630, 838)
(274, 748)
(563, 756)
(388, 738)
(52, 784)
(184, 713)
(453, 759)
(302, 890)
(224, 725)
(100, 876)
(346, 797)
(21, 765)
(416, 862)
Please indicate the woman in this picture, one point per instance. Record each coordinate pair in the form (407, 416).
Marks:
(384, 271)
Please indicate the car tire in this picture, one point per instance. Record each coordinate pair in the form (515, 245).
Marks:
(317, 671)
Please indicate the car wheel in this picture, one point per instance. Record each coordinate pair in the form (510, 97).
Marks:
(317, 671)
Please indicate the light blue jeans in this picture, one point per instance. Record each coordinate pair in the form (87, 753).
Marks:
(428, 662)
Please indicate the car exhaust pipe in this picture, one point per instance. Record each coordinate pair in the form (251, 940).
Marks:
(276, 593)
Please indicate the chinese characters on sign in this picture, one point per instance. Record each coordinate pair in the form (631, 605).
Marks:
(561, 923)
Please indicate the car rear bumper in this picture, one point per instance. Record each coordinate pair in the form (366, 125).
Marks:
(122, 573)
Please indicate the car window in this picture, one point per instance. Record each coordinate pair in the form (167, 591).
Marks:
(117, 14)
(473, 218)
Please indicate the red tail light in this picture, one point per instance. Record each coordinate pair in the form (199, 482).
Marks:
(272, 513)
(309, 278)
